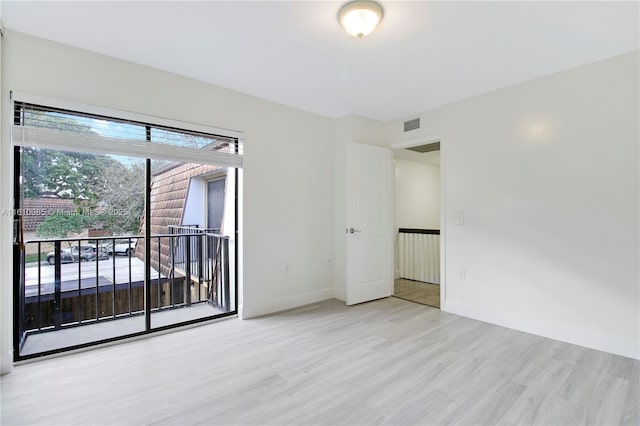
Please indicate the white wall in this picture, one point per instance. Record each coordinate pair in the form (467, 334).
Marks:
(288, 175)
(194, 209)
(343, 136)
(546, 173)
(6, 311)
(417, 195)
(417, 205)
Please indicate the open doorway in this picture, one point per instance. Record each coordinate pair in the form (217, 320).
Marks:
(417, 224)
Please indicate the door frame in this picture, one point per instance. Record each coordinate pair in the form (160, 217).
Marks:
(439, 137)
(213, 176)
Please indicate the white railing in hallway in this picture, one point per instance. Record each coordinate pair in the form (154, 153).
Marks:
(418, 254)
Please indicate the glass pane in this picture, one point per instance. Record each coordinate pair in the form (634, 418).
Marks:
(187, 139)
(190, 263)
(78, 286)
(82, 272)
(74, 122)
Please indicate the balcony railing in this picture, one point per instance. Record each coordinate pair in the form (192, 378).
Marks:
(89, 280)
(192, 256)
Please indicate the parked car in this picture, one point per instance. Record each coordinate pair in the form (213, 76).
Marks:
(102, 252)
(125, 247)
(72, 254)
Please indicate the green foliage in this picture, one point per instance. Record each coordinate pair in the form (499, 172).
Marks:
(96, 182)
(34, 257)
(61, 174)
(60, 225)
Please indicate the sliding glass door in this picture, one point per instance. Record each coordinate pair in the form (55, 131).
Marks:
(107, 245)
(80, 281)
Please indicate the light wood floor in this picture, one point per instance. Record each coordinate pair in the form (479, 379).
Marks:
(383, 362)
(417, 291)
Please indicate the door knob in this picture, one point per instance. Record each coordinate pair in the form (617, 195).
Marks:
(353, 230)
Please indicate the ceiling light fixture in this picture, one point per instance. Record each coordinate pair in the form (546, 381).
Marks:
(360, 18)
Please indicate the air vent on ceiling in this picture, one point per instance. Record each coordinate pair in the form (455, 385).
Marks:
(435, 146)
(412, 124)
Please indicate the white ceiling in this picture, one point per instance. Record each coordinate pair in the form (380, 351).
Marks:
(424, 54)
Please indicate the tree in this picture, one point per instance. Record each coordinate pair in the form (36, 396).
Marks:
(121, 196)
(60, 225)
(60, 174)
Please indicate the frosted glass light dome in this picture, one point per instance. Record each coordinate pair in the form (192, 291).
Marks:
(360, 18)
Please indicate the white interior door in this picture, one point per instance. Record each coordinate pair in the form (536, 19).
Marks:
(369, 223)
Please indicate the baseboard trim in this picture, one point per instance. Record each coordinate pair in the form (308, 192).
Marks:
(285, 303)
(601, 342)
(340, 294)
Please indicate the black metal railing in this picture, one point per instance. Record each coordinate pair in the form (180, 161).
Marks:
(82, 281)
(184, 248)
(201, 260)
